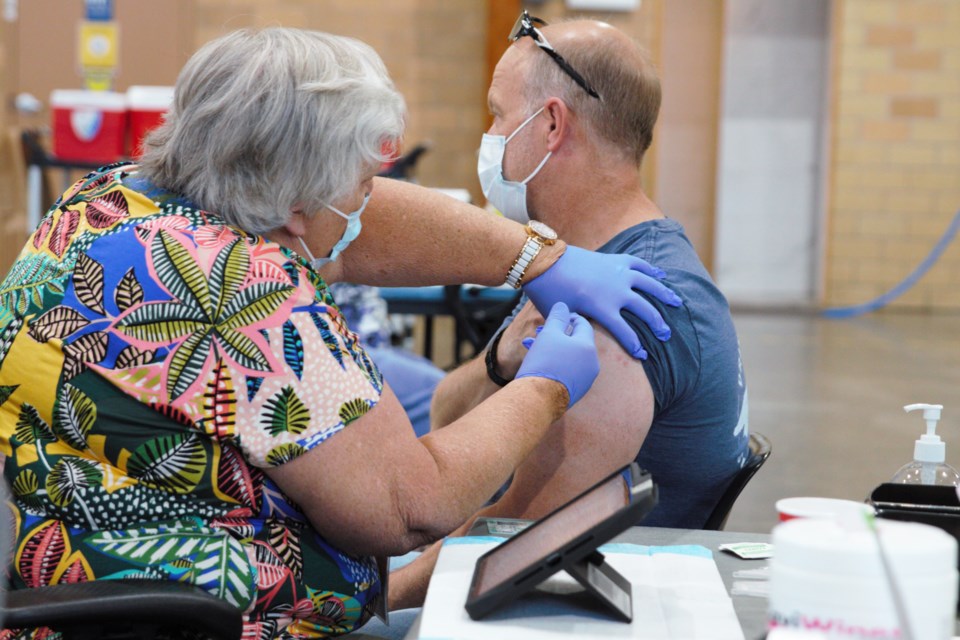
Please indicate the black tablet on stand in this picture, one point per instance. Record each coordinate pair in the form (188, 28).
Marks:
(567, 540)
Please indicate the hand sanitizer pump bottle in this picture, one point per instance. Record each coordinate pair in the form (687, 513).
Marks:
(929, 453)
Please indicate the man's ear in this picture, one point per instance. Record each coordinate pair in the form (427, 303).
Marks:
(559, 120)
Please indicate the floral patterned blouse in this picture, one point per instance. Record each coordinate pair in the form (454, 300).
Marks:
(153, 361)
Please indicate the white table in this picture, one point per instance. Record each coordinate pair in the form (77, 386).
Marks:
(751, 611)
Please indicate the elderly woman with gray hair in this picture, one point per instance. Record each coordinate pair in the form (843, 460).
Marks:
(180, 398)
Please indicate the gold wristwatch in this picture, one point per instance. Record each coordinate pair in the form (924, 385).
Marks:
(538, 236)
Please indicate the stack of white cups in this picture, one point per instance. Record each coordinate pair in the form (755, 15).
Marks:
(827, 576)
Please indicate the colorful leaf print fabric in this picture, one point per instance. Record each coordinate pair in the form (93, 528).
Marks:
(153, 360)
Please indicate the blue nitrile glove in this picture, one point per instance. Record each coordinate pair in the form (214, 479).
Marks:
(564, 351)
(599, 286)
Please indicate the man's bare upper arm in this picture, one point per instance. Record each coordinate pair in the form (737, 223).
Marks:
(600, 434)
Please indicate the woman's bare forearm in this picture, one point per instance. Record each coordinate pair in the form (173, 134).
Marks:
(396, 492)
(415, 236)
(476, 454)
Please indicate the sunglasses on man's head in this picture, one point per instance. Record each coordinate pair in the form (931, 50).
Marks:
(525, 26)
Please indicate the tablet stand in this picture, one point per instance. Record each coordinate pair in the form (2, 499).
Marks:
(558, 542)
(605, 583)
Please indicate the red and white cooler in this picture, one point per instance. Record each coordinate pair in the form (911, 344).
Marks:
(89, 126)
(147, 106)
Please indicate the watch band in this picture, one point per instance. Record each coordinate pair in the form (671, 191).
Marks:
(530, 249)
(491, 359)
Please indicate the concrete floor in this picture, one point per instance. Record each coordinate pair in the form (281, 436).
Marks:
(829, 395)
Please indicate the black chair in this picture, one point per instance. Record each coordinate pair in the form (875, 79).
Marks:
(41, 192)
(115, 609)
(140, 609)
(759, 452)
(478, 313)
(404, 167)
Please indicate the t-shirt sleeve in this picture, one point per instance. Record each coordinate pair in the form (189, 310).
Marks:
(327, 381)
(671, 366)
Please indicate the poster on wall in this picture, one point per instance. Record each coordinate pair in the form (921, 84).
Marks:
(98, 45)
(98, 53)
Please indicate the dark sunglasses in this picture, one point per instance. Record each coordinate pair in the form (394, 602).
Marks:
(525, 26)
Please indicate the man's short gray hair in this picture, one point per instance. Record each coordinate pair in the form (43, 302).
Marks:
(626, 80)
(266, 121)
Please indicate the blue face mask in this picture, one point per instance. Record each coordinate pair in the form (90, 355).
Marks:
(349, 234)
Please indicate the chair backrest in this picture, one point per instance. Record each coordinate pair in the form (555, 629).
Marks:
(112, 609)
(759, 452)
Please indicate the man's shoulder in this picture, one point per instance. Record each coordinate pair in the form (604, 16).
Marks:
(662, 242)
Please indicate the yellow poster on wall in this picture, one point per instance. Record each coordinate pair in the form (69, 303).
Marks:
(99, 45)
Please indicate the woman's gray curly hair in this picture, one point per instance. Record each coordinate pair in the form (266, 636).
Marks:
(267, 121)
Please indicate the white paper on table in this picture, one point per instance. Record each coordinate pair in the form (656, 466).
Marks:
(677, 593)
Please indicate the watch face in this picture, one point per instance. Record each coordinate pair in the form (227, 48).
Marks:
(542, 230)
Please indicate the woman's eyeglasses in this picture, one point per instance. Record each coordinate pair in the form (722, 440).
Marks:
(525, 26)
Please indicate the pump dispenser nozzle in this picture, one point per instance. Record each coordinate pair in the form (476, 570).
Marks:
(929, 453)
(929, 448)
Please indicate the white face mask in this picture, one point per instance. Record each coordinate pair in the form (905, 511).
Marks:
(350, 234)
(510, 198)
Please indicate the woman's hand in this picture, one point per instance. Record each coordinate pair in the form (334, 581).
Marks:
(564, 351)
(600, 286)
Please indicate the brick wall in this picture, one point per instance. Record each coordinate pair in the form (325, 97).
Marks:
(12, 178)
(894, 177)
(895, 165)
(691, 54)
(433, 49)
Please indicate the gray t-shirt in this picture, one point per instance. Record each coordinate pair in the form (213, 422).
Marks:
(699, 436)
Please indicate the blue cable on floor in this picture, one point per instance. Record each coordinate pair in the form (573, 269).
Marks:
(900, 289)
